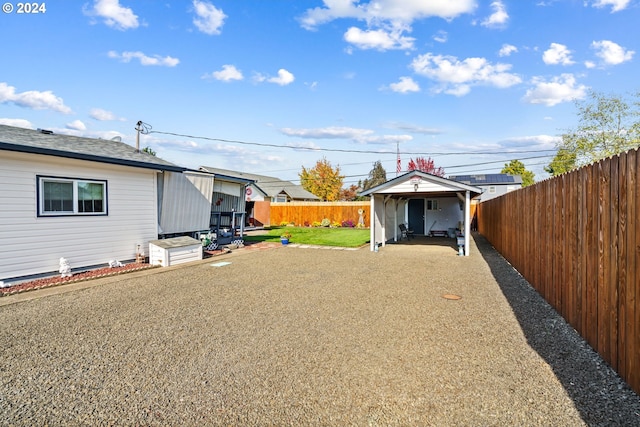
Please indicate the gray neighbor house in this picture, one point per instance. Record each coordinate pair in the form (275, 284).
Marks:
(492, 185)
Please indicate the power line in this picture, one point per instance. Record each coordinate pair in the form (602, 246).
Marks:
(339, 150)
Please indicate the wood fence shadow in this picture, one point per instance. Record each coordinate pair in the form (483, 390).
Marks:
(598, 392)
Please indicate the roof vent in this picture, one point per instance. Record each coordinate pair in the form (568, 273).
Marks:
(45, 131)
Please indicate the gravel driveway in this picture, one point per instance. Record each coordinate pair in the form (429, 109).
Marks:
(305, 336)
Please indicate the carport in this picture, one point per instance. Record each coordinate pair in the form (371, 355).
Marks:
(427, 203)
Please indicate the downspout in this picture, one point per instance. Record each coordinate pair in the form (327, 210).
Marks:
(467, 225)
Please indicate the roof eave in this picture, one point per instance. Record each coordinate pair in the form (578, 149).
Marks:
(88, 157)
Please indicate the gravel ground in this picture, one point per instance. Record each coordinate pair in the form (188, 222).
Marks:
(305, 336)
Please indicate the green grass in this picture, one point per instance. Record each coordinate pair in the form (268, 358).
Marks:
(324, 236)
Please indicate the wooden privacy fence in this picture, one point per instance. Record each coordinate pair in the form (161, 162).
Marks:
(576, 239)
(301, 213)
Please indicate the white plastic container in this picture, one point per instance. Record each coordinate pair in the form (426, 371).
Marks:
(177, 250)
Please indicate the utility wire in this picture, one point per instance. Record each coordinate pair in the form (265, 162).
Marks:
(338, 150)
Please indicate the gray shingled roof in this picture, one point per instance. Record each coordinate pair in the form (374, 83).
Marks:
(486, 179)
(74, 147)
(271, 186)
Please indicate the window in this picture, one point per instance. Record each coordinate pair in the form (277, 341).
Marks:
(68, 196)
(492, 190)
(432, 205)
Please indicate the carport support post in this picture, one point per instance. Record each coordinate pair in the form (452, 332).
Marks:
(467, 222)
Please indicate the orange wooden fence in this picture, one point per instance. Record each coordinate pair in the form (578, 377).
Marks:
(301, 213)
(576, 239)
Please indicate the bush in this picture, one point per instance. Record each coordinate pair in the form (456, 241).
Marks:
(348, 223)
(336, 224)
(326, 222)
(316, 224)
(283, 223)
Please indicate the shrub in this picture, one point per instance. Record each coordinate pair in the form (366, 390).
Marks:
(316, 224)
(326, 222)
(336, 224)
(348, 223)
(283, 223)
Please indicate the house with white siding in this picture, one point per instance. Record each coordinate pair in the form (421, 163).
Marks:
(492, 184)
(87, 200)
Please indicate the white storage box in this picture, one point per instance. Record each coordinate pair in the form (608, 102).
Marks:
(177, 250)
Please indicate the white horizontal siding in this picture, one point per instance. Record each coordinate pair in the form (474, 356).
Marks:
(31, 245)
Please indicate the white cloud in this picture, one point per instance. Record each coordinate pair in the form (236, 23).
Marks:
(405, 11)
(563, 88)
(499, 17)
(533, 142)
(114, 15)
(103, 115)
(611, 53)
(284, 78)
(208, 18)
(76, 125)
(227, 74)
(457, 77)
(557, 54)
(335, 132)
(405, 85)
(616, 5)
(20, 123)
(415, 129)
(378, 39)
(441, 36)
(32, 99)
(331, 132)
(507, 50)
(145, 60)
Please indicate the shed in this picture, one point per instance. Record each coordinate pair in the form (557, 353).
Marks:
(173, 251)
(423, 201)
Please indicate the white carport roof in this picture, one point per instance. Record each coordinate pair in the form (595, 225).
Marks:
(416, 184)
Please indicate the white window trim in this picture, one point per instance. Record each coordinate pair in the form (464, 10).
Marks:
(432, 204)
(42, 213)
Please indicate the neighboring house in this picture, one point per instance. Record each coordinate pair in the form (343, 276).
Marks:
(261, 191)
(87, 200)
(427, 203)
(267, 187)
(492, 185)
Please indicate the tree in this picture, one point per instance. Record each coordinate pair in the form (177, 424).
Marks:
(425, 165)
(149, 150)
(322, 180)
(563, 162)
(349, 194)
(608, 125)
(377, 176)
(516, 167)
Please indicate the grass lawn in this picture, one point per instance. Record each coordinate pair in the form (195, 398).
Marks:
(341, 236)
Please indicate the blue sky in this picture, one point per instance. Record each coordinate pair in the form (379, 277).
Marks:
(270, 86)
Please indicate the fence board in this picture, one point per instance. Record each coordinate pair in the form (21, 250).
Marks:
(576, 239)
(622, 264)
(306, 213)
(633, 294)
(591, 298)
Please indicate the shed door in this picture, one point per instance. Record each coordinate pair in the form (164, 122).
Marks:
(416, 215)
